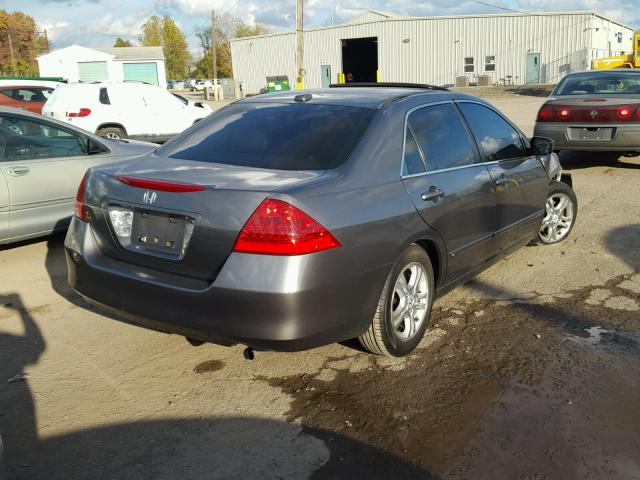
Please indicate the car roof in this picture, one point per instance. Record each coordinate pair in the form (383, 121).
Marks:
(369, 97)
(630, 71)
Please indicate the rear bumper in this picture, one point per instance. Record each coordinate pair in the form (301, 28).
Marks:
(626, 138)
(266, 302)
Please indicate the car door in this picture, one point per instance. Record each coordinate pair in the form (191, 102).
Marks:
(4, 204)
(42, 165)
(126, 106)
(520, 180)
(449, 187)
(168, 114)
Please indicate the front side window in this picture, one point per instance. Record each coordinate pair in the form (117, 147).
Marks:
(497, 139)
(468, 65)
(22, 138)
(279, 136)
(442, 137)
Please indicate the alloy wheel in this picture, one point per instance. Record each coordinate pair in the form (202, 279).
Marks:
(409, 302)
(558, 218)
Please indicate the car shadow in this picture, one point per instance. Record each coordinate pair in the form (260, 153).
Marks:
(205, 447)
(574, 160)
(624, 242)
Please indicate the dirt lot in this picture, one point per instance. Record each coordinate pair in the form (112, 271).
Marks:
(530, 371)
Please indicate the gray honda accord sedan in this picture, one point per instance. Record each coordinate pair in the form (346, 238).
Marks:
(291, 220)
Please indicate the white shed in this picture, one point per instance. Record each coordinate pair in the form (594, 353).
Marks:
(82, 64)
(512, 48)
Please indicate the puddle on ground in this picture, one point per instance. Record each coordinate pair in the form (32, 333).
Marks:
(209, 366)
(429, 410)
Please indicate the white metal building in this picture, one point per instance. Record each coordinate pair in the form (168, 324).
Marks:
(515, 48)
(81, 64)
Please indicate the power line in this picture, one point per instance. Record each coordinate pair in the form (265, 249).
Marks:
(497, 6)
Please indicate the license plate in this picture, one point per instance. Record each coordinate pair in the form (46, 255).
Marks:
(592, 134)
(159, 231)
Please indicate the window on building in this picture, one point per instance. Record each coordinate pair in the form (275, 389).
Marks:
(468, 65)
(490, 63)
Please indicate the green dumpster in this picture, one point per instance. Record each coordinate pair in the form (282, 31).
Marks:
(277, 83)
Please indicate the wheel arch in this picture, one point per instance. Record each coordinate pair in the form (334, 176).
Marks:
(434, 249)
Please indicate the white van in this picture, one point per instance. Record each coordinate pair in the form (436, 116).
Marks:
(124, 110)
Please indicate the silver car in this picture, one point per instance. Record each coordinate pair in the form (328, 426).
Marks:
(41, 164)
(594, 110)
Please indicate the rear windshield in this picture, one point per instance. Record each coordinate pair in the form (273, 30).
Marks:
(274, 136)
(600, 83)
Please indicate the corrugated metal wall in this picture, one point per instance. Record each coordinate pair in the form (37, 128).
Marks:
(432, 50)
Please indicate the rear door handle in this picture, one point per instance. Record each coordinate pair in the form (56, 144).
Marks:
(433, 195)
(502, 179)
(17, 171)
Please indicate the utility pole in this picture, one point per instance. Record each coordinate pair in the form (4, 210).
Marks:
(13, 60)
(214, 39)
(300, 72)
(46, 39)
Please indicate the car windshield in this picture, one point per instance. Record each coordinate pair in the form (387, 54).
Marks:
(616, 83)
(274, 136)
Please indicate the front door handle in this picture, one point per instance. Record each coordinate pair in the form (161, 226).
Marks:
(17, 171)
(502, 179)
(433, 195)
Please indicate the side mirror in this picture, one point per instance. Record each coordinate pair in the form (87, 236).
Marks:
(541, 146)
(93, 147)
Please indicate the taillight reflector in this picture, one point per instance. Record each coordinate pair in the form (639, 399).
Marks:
(83, 112)
(278, 228)
(80, 209)
(161, 185)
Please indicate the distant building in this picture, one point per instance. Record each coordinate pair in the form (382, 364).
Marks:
(511, 48)
(81, 64)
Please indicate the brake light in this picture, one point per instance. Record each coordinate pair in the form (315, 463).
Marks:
(161, 185)
(563, 113)
(80, 209)
(279, 228)
(624, 113)
(83, 112)
(546, 114)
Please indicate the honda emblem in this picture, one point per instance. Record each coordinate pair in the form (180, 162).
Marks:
(149, 197)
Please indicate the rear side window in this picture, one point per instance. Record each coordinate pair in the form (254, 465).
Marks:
(274, 136)
(413, 163)
(496, 138)
(442, 137)
(104, 96)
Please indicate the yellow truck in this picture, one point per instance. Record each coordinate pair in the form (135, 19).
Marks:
(631, 60)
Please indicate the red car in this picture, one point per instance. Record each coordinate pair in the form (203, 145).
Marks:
(27, 98)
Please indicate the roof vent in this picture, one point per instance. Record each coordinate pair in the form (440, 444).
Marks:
(303, 98)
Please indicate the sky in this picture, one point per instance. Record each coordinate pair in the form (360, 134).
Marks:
(97, 23)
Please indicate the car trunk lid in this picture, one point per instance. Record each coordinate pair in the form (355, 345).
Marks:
(185, 216)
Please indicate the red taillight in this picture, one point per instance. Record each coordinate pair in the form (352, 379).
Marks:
(80, 209)
(83, 112)
(161, 185)
(624, 113)
(279, 228)
(563, 113)
(546, 114)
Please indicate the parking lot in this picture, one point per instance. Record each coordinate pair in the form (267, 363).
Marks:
(529, 371)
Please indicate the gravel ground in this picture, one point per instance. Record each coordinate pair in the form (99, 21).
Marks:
(529, 371)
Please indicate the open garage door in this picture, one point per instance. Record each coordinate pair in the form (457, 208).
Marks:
(360, 59)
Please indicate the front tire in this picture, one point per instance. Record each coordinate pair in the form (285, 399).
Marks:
(113, 133)
(404, 307)
(561, 211)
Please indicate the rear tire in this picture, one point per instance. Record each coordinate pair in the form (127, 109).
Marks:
(404, 307)
(114, 133)
(561, 211)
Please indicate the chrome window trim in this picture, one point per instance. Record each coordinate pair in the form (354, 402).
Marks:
(404, 141)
